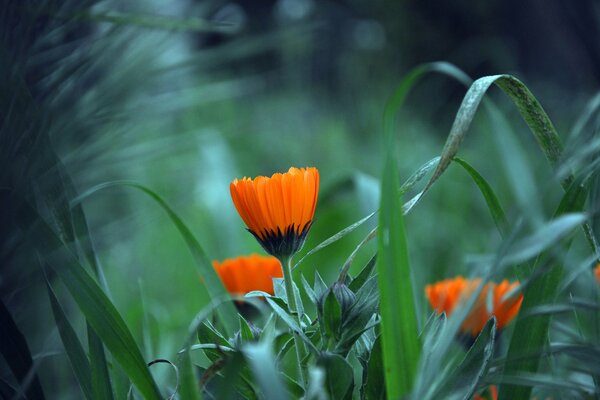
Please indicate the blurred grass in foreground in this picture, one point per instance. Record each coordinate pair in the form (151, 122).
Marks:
(117, 100)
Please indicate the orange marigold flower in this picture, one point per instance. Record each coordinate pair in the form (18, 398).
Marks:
(278, 210)
(446, 295)
(597, 273)
(493, 394)
(245, 274)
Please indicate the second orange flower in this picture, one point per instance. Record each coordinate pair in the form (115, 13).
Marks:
(279, 210)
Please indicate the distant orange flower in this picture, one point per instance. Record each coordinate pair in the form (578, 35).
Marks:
(245, 274)
(278, 210)
(597, 273)
(493, 391)
(444, 296)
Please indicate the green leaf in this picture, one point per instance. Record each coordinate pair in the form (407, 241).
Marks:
(374, 387)
(100, 313)
(245, 331)
(363, 275)
(291, 323)
(210, 279)
(101, 384)
(462, 384)
(262, 363)
(401, 345)
(339, 376)
(15, 351)
(189, 384)
(332, 315)
(75, 352)
(490, 197)
(530, 334)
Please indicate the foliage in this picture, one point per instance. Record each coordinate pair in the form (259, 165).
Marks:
(362, 334)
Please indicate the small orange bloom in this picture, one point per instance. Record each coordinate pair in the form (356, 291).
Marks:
(446, 295)
(278, 210)
(244, 274)
(493, 394)
(597, 273)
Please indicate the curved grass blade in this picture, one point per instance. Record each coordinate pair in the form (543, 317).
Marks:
(73, 347)
(15, 351)
(210, 280)
(490, 196)
(100, 313)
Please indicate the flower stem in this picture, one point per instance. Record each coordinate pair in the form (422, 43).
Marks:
(286, 264)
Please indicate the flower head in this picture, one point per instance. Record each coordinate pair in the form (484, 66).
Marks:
(446, 295)
(278, 210)
(245, 274)
(492, 392)
(597, 273)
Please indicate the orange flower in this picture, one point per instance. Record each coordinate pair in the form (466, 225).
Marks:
(597, 273)
(244, 274)
(493, 392)
(278, 210)
(446, 295)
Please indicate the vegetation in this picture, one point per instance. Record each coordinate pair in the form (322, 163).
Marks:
(402, 265)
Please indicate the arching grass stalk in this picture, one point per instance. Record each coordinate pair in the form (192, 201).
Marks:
(286, 265)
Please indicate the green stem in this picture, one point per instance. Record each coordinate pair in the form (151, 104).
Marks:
(286, 264)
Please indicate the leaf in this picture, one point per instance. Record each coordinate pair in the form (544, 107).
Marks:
(530, 334)
(401, 346)
(189, 384)
(463, 382)
(75, 352)
(262, 363)
(245, 331)
(101, 384)
(100, 313)
(543, 238)
(334, 238)
(15, 351)
(363, 275)
(339, 376)
(210, 280)
(291, 323)
(490, 197)
(375, 385)
(332, 315)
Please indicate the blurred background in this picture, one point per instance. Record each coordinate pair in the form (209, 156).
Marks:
(184, 96)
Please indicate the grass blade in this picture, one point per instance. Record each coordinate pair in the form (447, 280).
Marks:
(100, 313)
(531, 333)
(490, 196)
(73, 347)
(401, 346)
(210, 280)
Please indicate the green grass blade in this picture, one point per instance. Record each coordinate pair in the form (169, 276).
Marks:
(101, 383)
(531, 333)
(401, 345)
(100, 313)
(210, 279)
(262, 363)
(489, 195)
(73, 347)
(188, 387)
(15, 351)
